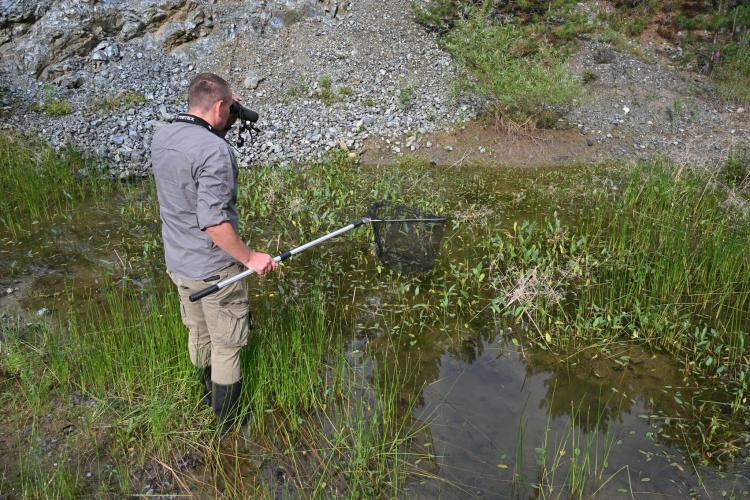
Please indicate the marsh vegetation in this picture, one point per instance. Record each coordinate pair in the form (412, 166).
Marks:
(618, 292)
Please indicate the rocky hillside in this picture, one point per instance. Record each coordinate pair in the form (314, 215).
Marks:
(321, 74)
(103, 75)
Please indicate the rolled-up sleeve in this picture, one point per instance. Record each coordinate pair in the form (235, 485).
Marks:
(214, 195)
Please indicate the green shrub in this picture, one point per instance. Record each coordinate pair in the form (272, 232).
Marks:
(636, 25)
(439, 15)
(521, 79)
(300, 89)
(589, 76)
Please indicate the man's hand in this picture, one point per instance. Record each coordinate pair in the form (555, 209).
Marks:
(261, 263)
(225, 237)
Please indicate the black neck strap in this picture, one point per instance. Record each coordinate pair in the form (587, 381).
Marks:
(188, 118)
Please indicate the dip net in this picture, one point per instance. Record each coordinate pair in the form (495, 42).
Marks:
(407, 239)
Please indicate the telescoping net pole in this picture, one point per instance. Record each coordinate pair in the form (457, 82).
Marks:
(407, 240)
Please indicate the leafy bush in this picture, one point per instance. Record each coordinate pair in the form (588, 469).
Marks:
(520, 76)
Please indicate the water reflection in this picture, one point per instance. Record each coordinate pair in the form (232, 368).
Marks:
(490, 406)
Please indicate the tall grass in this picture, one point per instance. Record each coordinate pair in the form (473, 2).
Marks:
(39, 183)
(667, 266)
(127, 350)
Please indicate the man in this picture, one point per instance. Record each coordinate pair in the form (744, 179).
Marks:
(196, 182)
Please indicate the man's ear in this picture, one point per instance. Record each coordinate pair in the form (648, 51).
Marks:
(217, 106)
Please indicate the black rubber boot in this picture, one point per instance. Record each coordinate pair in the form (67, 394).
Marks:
(203, 375)
(225, 399)
(206, 385)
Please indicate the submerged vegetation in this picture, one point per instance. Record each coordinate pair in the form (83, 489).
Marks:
(343, 348)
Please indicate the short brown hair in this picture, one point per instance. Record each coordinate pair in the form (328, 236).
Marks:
(205, 89)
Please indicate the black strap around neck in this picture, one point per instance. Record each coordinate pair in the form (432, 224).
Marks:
(188, 118)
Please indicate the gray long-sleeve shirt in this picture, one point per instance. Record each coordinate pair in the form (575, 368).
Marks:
(196, 183)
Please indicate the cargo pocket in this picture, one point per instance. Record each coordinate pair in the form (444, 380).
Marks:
(232, 324)
(186, 319)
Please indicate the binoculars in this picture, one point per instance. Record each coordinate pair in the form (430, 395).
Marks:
(243, 113)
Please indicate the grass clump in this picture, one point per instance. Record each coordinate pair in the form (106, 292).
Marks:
(326, 92)
(125, 99)
(125, 348)
(299, 89)
(405, 96)
(520, 77)
(53, 107)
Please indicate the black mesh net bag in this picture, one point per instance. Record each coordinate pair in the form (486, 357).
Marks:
(407, 240)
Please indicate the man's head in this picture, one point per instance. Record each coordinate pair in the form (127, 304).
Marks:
(209, 97)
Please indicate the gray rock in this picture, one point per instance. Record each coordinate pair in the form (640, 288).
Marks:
(118, 139)
(252, 80)
(106, 50)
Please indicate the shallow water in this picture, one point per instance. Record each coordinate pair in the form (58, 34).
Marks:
(487, 403)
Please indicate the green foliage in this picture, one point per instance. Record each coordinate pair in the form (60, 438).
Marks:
(125, 99)
(300, 89)
(440, 15)
(326, 92)
(405, 96)
(737, 167)
(39, 183)
(589, 76)
(732, 74)
(520, 78)
(53, 107)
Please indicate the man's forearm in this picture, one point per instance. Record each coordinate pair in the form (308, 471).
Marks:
(226, 238)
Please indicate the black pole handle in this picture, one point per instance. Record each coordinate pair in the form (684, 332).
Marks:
(202, 293)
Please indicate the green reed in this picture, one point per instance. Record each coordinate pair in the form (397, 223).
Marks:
(39, 183)
(572, 464)
(126, 349)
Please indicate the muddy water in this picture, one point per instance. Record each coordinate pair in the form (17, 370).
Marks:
(496, 415)
(497, 399)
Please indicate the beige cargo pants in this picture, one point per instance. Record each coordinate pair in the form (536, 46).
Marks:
(217, 324)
